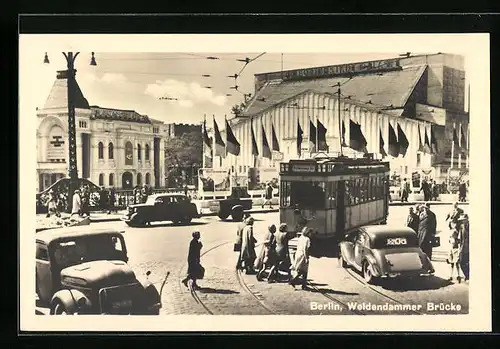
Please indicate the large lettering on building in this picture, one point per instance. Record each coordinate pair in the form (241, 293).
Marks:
(55, 148)
(332, 70)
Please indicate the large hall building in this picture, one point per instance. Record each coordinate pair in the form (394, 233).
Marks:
(423, 95)
(115, 148)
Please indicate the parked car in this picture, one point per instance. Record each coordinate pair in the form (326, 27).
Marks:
(234, 205)
(80, 270)
(379, 251)
(177, 208)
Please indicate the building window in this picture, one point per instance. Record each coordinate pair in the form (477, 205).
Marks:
(82, 124)
(100, 150)
(139, 152)
(240, 169)
(148, 178)
(419, 159)
(111, 179)
(129, 154)
(156, 129)
(146, 152)
(110, 151)
(101, 179)
(139, 179)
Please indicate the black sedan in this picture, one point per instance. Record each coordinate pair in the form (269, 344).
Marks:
(177, 208)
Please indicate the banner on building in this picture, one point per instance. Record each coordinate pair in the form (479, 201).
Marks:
(214, 179)
(259, 177)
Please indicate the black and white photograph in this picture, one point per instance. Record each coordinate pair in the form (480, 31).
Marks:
(269, 179)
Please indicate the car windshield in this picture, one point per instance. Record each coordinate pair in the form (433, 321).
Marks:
(396, 241)
(69, 252)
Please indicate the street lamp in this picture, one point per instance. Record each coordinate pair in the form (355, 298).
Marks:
(70, 76)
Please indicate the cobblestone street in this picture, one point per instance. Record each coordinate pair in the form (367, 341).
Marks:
(163, 248)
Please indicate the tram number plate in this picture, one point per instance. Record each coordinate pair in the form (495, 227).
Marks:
(396, 241)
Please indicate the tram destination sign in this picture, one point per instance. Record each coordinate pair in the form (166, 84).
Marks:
(304, 167)
(333, 70)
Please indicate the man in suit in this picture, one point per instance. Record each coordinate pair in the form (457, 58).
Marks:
(405, 191)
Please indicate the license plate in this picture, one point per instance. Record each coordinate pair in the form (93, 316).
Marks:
(121, 304)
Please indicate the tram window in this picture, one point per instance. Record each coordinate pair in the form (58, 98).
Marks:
(306, 194)
(285, 194)
(331, 195)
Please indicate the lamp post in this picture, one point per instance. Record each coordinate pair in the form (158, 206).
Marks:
(70, 76)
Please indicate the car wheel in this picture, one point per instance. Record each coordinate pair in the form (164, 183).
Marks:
(186, 220)
(222, 216)
(237, 216)
(59, 309)
(367, 273)
(342, 262)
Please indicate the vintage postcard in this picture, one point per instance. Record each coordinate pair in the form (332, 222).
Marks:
(285, 182)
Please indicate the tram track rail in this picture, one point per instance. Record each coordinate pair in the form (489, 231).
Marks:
(333, 299)
(240, 279)
(358, 278)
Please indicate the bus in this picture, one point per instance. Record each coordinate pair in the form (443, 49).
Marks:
(333, 195)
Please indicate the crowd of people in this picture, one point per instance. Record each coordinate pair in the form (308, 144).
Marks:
(274, 255)
(431, 190)
(424, 222)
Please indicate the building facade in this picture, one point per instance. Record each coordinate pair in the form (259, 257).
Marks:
(422, 95)
(115, 148)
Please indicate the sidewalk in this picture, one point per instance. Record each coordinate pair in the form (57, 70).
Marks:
(98, 217)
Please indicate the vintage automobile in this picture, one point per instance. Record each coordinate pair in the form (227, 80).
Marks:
(80, 270)
(177, 208)
(380, 251)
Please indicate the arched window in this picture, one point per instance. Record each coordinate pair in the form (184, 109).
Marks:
(139, 179)
(129, 154)
(101, 179)
(146, 153)
(111, 179)
(139, 152)
(148, 178)
(110, 151)
(100, 150)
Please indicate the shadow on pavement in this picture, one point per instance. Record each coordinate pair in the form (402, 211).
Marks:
(217, 291)
(317, 284)
(155, 225)
(415, 284)
(330, 291)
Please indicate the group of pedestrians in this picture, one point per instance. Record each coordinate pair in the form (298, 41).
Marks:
(424, 222)
(274, 255)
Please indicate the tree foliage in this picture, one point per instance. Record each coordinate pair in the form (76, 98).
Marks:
(184, 151)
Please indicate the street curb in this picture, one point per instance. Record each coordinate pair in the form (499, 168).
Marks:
(208, 214)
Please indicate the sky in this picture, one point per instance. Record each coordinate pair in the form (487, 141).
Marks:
(137, 81)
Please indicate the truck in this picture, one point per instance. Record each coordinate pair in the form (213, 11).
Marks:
(234, 205)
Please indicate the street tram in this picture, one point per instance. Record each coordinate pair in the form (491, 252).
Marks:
(333, 195)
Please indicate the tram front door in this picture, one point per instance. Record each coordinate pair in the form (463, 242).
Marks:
(340, 226)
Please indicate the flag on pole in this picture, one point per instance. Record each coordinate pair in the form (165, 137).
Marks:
(393, 142)
(463, 141)
(300, 134)
(420, 144)
(455, 138)
(434, 144)
(344, 144)
(255, 149)
(382, 145)
(312, 134)
(206, 139)
(321, 136)
(427, 144)
(403, 141)
(220, 146)
(276, 145)
(357, 140)
(266, 150)
(233, 146)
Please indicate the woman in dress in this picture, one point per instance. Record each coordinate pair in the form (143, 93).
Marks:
(267, 253)
(454, 255)
(194, 266)
(300, 265)
(283, 261)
